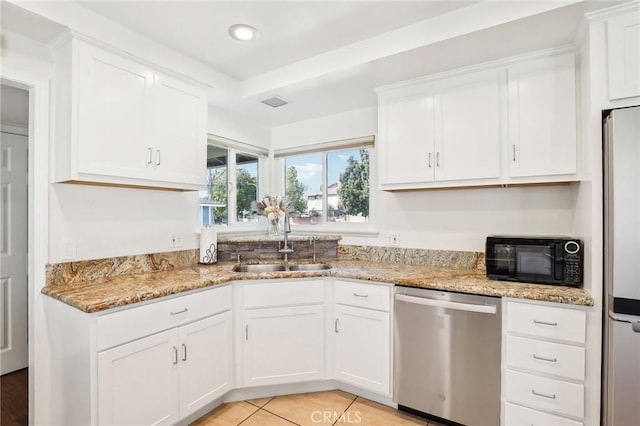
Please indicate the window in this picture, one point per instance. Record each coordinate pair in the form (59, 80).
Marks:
(330, 185)
(232, 183)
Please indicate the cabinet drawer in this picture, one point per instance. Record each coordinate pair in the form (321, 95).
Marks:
(547, 321)
(515, 415)
(370, 296)
(288, 293)
(546, 357)
(547, 394)
(130, 324)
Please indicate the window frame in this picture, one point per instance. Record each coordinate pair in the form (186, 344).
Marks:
(233, 148)
(325, 227)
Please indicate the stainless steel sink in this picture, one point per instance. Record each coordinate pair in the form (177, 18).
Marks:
(309, 267)
(272, 267)
(259, 268)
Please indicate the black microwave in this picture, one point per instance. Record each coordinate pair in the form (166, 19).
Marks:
(543, 260)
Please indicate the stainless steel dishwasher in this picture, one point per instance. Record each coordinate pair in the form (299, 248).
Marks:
(447, 356)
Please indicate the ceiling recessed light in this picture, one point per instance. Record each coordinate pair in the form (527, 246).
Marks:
(243, 32)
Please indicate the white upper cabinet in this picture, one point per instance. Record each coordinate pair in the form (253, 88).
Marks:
(406, 127)
(623, 39)
(120, 122)
(493, 124)
(446, 131)
(467, 127)
(542, 117)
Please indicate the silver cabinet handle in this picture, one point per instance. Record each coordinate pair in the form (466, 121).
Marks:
(551, 324)
(543, 395)
(175, 355)
(149, 155)
(360, 295)
(514, 152)
(246, 332)
(437, 159)
(179, 312)
(429, 160)
(541, 358)
(157, 157)
(184, 352)
(335, 327)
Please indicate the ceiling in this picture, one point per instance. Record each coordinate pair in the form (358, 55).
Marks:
(327, 56)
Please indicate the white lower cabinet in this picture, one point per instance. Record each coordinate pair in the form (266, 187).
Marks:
(362, 354)
(155, 363)
(362, 348)
(283, 345)
(138, 382)
(543, 364)
(167, 376)
(282, 331)
(516, 415)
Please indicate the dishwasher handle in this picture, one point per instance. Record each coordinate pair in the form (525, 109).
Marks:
(469, 307)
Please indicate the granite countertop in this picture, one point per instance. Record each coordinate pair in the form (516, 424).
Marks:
(98, 295)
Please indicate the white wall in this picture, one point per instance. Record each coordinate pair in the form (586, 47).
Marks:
(237, 127)
(442, 219)
(360, 122)
(108, 222)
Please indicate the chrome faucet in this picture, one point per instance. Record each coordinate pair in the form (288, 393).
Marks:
(286, 250)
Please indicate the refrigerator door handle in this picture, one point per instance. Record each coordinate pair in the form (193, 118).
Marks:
(633, 320)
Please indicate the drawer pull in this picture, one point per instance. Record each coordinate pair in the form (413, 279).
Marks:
(184, 352)
(335, 327)
(551, 324)
(543, 395)
(246, 332)
(360, 295)
(175, 355)
(179, 312)
(541, 358)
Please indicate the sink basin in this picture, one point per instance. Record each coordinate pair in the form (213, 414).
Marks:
(259, 268)
(271, 267)
(310, 267)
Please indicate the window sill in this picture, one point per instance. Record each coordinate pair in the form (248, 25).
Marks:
(260, 228)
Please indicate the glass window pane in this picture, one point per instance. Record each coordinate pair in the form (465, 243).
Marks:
(348, 185)
(303, 188)
(247, 186)
(215, 197)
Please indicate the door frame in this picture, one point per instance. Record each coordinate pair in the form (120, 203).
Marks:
(39, 87)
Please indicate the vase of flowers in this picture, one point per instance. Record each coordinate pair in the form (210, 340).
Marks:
(273, 208)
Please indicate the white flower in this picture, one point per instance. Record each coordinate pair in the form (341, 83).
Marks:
(271, 216)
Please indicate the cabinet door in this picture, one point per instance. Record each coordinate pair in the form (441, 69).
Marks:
(138, 382)
(113, 113)
(283, 345)
(362, 348)
(467, 127)
(205, 361)
(542, 117)
(623, 39)
(180, 144)
(406, 129)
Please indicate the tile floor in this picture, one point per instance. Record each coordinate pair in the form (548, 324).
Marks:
(317, 408)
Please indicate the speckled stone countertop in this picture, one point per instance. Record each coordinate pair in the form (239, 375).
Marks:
(107, 293)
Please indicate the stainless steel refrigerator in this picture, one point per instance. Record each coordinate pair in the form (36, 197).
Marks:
(621, 355)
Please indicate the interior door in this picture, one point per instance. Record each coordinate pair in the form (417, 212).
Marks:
(14, 353)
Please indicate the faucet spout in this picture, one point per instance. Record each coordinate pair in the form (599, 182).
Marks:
(286, 250)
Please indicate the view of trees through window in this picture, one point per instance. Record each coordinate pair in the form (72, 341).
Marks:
(214, 201)
(336, 181)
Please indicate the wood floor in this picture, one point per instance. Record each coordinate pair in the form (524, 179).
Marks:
(14, 398)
